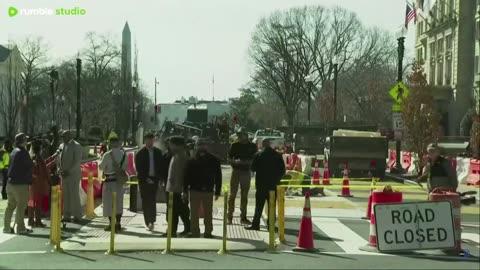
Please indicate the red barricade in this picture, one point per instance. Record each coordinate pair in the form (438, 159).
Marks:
(440, 194)
(87, 168)
(131, 165)
(393, 157)
(474, 173)
(406, 160)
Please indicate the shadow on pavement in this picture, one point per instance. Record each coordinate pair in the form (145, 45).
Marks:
(319, 254)
(191, 257)
(79, 257)
(316, 235)
(249, 257)
(132, 258)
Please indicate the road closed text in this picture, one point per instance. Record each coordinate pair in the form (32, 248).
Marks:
(431, 233)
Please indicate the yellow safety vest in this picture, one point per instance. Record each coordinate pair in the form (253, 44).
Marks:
(4, 158)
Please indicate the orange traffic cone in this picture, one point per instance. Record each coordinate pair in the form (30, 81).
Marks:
(346, 184)
(326, 174)
(369, 207)
(316, 175)
(305, 235)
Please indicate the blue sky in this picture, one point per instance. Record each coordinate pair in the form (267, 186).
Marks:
(181, 42)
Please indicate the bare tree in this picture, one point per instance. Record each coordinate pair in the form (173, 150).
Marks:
(34, 52)
(289, 46)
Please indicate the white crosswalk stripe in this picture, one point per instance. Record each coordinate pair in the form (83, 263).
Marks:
(342, 235)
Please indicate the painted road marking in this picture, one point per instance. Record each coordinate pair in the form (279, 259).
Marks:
(342, 235)
(21, 252)
(473, 237)
(4, 237)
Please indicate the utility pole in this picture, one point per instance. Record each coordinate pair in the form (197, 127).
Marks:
(79, 116)
(155, 105)
(398, 146)
(335, 75)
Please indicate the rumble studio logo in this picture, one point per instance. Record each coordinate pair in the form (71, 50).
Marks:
(76, 11)
(12, 12)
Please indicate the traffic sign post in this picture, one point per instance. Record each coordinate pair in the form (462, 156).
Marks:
(399, 93)
(414, 226)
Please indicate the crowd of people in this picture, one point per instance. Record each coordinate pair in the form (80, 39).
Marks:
(29, 168)
(195, 181)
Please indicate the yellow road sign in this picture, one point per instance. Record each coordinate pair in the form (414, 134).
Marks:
(396, 108)
(399, 92)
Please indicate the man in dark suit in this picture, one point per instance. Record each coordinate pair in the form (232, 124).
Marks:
(147, 163)
(269, 168)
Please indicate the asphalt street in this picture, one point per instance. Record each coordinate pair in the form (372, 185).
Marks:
(336, 235)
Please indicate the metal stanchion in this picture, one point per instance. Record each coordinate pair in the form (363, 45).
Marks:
(224, 251)
(113, 222)
(271, 221)
(168, 250)
(133, 194)
(90, 211)
(58, 227)
(281, 215)
(53, 215)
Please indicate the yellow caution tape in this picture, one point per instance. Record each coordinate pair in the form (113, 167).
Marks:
(351, 187)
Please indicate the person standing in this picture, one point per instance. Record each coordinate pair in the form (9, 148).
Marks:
(69, 168)
(19, 180)
(269, 168)
(5, 152)
(114, 165)
(147, 162)
(40, 187)
(438, 172)
(240, 157)
(176, 183)
(203, 180)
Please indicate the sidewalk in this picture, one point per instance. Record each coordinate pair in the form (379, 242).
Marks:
(135, 237)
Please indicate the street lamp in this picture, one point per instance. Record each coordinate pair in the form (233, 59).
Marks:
(400, 35)
(78, 113)
(53, 80)
(335, 61)
(309, 79)
(134, 86)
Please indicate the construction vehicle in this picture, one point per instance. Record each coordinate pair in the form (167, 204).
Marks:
(362, 151)
(196, 124)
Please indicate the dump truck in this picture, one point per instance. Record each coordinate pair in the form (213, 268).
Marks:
(362, 151)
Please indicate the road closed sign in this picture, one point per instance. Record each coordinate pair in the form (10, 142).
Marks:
(414, 226)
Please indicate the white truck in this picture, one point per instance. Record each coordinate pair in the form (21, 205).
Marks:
(277, 138)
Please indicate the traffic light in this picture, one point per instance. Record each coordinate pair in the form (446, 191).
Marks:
(235, 119)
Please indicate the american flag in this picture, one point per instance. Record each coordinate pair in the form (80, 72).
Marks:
(409, 14)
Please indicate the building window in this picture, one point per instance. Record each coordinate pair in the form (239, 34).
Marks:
(440, 46)
(432, 52)
(420, 54)
(448, 42)
(448, 71)
(451, 7)
(440, 74)
(441, 14)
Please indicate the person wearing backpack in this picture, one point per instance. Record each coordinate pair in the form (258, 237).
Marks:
(114, 165)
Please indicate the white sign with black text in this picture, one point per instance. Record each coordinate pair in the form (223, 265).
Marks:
(414, 226)
(397, 121)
